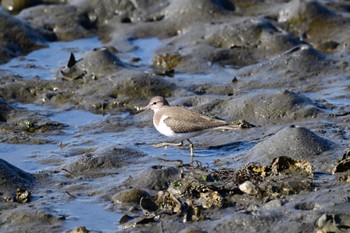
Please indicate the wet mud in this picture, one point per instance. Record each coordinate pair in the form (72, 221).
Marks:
(76, 154)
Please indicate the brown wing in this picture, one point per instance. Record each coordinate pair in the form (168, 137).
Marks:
(184, 121)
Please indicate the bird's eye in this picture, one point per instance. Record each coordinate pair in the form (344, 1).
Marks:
(154, 103)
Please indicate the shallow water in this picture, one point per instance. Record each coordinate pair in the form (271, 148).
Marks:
(44, 62)
(92, 215)
(86, 211)
(145, 49)
(24, 156)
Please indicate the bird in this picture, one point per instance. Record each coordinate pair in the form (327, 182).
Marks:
(180, 123)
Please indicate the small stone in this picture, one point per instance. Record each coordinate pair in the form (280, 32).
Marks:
(80, 230)
(133, 195)
(273, 204)
(248, 188)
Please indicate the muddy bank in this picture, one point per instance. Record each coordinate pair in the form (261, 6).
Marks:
(278, 71)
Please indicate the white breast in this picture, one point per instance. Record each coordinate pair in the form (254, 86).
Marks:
(163, 128)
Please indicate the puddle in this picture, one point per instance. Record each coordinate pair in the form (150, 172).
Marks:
(21, 155)
(27, 157)
(92, 215)
(146, 49)
(39, 64)
(76, 118)
(337, 95)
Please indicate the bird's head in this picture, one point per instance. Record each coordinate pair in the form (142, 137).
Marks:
(156, 103)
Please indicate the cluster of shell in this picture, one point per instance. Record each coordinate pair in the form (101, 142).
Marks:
(201, 188)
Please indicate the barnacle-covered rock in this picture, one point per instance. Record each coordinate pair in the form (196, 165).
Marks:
(342, 168)
(23, 196)
(287, 165)
(165, 63)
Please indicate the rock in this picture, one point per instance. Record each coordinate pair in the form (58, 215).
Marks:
(239, 222)
(343, 164)
(12, 178)
(33, 122)
(116, 89)
(188, 12)
(103, 161)
(299, 9)
(273, 204)
(23, 196)
(258, 41)
(165, 64)
(133, 85)
(26, 218)
(270, 108)
(303, 59)
(306, 206)
(288, 166)
(64, 20)
(131, 196)
(5, 110)
(157, 177)
(24, 126)
(293, 141)
(248, 188)
(94, 65)
(20, 37)
(316, 23)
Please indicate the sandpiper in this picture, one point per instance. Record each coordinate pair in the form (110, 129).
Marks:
(179, 123)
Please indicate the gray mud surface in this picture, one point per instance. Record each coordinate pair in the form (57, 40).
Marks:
(76, 154)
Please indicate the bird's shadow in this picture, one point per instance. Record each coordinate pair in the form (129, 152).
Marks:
(233, 146)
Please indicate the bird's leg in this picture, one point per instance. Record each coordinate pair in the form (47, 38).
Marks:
(191, 149)
(163, 144)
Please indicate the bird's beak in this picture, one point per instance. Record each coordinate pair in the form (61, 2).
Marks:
(140, 109)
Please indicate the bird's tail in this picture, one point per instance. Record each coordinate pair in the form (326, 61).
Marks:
(238, 124)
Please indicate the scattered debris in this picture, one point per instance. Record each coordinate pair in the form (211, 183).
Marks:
(22, 196)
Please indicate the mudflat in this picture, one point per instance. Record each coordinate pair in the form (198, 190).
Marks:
(76, 154)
